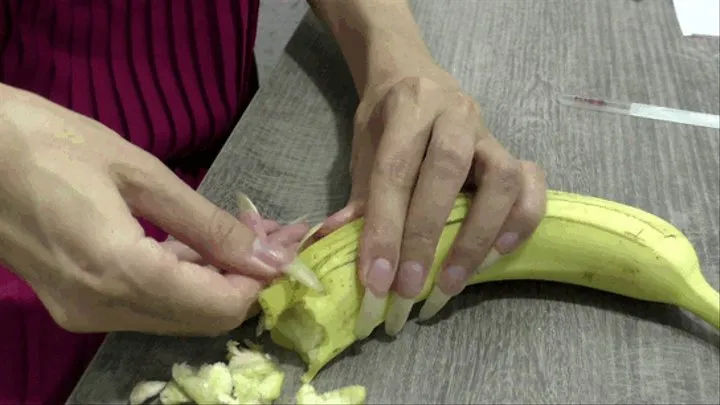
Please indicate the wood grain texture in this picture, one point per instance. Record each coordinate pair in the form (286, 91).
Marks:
(518, 342)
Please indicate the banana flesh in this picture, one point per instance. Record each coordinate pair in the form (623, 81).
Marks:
(582, 240)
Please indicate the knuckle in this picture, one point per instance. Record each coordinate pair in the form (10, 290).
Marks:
(411, 89)
(506, 173)
(397, 170)
(382, 236)
(67, 322)
(466, 106)
(533, 169)
(222, 226)
(421, 237)
(528, 217)
(137, 169)
(470, 244)
(450, 155)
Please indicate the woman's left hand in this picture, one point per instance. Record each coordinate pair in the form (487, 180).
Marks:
(418, 139)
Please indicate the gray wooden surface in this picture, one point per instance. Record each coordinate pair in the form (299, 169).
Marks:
(520, 342)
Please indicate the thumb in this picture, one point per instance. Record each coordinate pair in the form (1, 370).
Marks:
(161, 197)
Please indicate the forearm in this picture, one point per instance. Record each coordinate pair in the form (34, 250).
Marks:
(378, 38)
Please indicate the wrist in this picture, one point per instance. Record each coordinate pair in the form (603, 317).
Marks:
(392, 58)
(379, 39)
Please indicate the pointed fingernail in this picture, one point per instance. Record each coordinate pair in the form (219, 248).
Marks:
(272, 256)
(433, 304)
(409, 281)
(244, 203)
(299, 220)
(492, 257)
(308, 235)
(298, 271)
(277, 258)
(371, 311)
(397, 314)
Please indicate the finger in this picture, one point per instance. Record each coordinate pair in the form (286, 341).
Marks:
(528, 211)
(182, 251)
(352, 211)
(392, 180)
(158, 195)
(270, 225)
(182, 290)
(254, 222)
(442, 174)
(499, 188)
(288, 234)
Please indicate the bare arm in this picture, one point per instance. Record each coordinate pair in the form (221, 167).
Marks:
(379, 39)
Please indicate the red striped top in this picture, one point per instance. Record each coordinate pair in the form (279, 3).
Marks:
(171, 76)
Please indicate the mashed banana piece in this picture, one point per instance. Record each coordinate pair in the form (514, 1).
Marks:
(250, 377)
(350, 395)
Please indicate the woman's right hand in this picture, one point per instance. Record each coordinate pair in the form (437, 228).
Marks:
(69, 190)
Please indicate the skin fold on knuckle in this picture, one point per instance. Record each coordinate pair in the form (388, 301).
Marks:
(466, 107)
(223, 231)
(449, 158)
(504, 174)
(411, 94)
(134, 171)
(471, 244)
(420, 240)
(382, 238)
(396, 171)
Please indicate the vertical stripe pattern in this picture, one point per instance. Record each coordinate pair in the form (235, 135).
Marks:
(171, 76)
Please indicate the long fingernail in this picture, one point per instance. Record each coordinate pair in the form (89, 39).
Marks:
(507, 242)
(308, 235)
(299, 220)
(450, 283)
(410, 280)
(244, 203)
(492, 257)
(371, 311)
(378, 279)
(433, 304)
(276, 258)
(297, 270)
(397, 314)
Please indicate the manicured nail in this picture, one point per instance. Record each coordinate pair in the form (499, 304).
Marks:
(379, 277)
(507, 242)
(450, 283)
(244, 203)
(409, 281)
(492, 257)
(371, 311)
(272, 256)
(397, 314)
(309, 235)
(453, 281)
(298, 271)
(433, 304)
(276, 258)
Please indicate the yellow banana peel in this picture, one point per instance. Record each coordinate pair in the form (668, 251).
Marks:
(582, 240)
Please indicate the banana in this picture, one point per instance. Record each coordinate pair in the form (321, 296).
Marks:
(582, 240)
